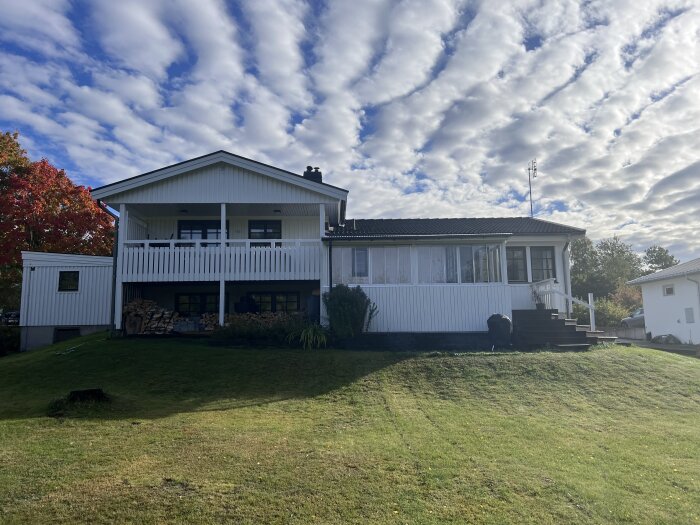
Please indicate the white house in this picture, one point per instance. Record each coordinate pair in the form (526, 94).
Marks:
(672, 301)
(222, 233)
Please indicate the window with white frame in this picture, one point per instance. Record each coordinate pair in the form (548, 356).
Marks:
(459, 264)
(68, 281)
(542, 263)
(360, 262)
(669, 289)
(517, 264)
(391, 264)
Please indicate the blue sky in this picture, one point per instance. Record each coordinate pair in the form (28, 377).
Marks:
(422, 108)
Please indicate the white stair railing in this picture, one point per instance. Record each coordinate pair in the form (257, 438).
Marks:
(546, 290)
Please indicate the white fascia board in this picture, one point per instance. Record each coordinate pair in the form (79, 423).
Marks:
(64, 259)
(158, 175)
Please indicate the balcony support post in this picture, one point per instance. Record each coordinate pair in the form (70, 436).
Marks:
(222, 270)
(119, 284)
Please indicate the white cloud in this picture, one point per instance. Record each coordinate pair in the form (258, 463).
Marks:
(420, 108)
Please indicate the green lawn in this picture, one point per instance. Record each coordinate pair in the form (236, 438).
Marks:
(204, 434)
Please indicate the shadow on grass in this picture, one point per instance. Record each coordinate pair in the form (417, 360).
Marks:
(157, 378)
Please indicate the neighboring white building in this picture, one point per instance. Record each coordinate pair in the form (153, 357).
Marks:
(220, 233)
(672, 301)
(63, 296)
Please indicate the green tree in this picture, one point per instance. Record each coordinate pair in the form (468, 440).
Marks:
(602, 268)
(618, 264)
(42, 210)
(584, 267)
(657, 258)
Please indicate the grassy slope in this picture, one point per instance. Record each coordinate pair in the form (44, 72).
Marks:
(208, 434)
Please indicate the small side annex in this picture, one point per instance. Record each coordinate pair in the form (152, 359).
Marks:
(63, 296)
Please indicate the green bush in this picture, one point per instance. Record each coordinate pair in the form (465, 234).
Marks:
(266, 328)
(349, 310)
(9, 339)
(607, 313)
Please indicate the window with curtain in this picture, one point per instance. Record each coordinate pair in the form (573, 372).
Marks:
(517, 264)
(542, 263)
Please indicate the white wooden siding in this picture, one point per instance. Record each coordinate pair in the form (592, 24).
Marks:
(220, 183)
(44, 305)
(666, 314)
(437, 307)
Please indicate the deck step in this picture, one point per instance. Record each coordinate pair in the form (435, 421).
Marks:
(581, 346)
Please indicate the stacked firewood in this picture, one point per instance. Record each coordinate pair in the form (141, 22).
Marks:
(209, 322)
(146, 317)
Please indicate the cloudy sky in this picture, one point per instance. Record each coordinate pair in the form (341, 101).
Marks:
(422, 108)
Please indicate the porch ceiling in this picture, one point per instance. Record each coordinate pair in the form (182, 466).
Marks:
(235, 210)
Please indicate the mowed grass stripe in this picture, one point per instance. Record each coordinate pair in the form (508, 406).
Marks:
(203, 434)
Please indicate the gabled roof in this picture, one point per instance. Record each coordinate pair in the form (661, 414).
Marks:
(464, 227)
(208, 160)
(678, 270)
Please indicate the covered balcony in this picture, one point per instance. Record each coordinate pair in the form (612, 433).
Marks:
(181, 242)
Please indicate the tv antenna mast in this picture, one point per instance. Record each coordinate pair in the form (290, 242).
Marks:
(531, 174)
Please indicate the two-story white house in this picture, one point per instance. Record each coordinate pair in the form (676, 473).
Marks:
(222, 233)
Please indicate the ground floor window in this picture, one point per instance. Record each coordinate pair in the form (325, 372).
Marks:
(542, 262)
(517, 264)
(275, 301)
(196, 303)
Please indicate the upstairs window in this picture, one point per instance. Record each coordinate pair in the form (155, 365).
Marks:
(264, 229)
(195, 230)
(669, 289)
(68, 281)
(517, 265)
(542, 263)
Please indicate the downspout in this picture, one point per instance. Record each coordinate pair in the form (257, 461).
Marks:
(115, 253)
(330, 264)
(567, 276)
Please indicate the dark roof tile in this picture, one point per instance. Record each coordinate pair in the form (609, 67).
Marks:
(390, 228)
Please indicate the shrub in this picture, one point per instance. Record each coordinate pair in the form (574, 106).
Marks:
(350, 311)
(266, 328)
(607, 313)
(629, 297)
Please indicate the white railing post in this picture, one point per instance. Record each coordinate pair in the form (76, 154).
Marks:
(591, 308)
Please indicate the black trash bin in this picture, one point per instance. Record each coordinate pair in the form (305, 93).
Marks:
(500, 328)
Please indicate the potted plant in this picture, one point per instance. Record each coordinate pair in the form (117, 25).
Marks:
(538, 300)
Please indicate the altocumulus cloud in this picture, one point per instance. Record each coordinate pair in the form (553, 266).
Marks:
(421, 108)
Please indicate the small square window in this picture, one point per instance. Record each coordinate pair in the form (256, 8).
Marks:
(68, 281)
(668, 289)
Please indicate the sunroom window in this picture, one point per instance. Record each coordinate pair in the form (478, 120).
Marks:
(542, 262)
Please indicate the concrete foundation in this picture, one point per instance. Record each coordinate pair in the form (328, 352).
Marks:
(32, 337)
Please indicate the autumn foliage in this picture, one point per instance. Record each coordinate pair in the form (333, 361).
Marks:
(41, 209)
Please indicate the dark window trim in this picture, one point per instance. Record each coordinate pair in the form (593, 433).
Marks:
(554, 261)
(273, 298)
(202, 302)
(62, 284)
(203, 224)
(523, 249)
(274, 232)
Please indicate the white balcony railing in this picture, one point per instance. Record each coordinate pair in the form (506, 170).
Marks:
(208, 260)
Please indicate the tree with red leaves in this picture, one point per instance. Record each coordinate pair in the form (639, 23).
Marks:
(41, 209)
